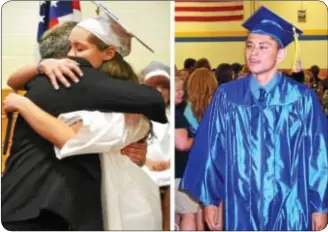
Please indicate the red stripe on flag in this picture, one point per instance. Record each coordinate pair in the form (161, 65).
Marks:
(76, 5)
(216, 1)
(208, 9)
(53, 22)
(208, 18)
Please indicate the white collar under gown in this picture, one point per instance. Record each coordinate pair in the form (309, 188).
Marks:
(130, 198)
(265, 158)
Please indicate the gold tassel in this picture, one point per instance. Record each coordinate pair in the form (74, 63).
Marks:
(296, 49)
(98, 10)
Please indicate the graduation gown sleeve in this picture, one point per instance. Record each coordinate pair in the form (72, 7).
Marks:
(317, 135)
(99, 133)
(204, 177)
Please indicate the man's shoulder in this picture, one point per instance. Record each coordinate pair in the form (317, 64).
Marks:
(292, 91)
(296, 88)
(92, 72)
(236, 83)
(235, 87)
(38, 81)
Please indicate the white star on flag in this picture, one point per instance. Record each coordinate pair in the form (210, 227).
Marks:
(41, 18)
(54, 3)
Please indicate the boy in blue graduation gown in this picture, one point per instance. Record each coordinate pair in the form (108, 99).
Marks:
(261, 148)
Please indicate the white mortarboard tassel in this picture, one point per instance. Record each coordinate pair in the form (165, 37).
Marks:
(107, 28)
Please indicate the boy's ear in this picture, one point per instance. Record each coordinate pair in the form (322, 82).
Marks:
(282, 52)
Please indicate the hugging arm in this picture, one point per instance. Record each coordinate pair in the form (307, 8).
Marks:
(42, 122)
(123, 96)
(54, 69)
(104, 93)
(71, 140)
(22, 76)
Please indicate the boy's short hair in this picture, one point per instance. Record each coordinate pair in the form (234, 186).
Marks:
(189, 63)
(315, 70)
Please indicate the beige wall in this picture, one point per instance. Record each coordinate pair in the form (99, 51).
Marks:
(312, 52)
(150, 20)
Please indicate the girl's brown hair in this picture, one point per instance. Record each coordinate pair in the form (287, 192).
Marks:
(203, 63)
(117, 67)
(200, 88)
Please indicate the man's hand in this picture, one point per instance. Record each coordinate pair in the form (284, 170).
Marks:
(319, 221)
(136, 152)
(211, 217)
(59, 70)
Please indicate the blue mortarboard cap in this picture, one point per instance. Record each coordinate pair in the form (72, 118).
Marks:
(264, 21)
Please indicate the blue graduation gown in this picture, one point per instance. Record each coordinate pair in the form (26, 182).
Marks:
(267, 161)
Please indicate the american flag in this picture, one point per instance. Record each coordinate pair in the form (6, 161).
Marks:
(208, 11)
(54, 12)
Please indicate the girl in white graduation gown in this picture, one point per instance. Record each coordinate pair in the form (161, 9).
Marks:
(130, 198)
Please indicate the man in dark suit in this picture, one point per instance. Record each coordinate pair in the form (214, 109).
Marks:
(40, 192)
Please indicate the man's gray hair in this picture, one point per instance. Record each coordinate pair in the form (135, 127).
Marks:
(54, 43)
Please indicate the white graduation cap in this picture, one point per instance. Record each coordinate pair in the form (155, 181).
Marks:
(157, 72)
(155, 68)
(112, 32)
